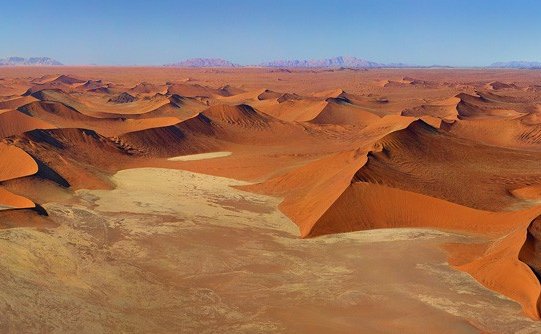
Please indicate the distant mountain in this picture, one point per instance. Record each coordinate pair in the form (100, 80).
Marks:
(204, 62)
(33, 61)
(517, 64)
(336, 62)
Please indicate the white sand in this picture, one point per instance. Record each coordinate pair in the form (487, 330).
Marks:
(201, 156)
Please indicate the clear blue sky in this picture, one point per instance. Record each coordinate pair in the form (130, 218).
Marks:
(423, 32)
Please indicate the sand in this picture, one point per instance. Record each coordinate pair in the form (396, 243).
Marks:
(188, 252)
(256, 200)
(201, 156)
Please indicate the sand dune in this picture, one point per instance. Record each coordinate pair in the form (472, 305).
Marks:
(269, 95)
(122, 98)
(16, 102)
(196, 90)
(295, 110)
(228, 90)
(81, 157)
(62, 82)
(147, 88)
(98, 107)
(512, 133)
(175, 139)
(408, 159)
(443, 109)
(14, 122)
(402, 209)
(479, 107)
(498, 85)
(241, 115)
(453, 153)
(9, 200)
(338, 111)
(15, 163)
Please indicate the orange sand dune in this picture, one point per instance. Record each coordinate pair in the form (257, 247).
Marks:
(338, 111)
(294, 110)
(15, 163)
(256, 97)
(74, 157)
(16, 102)
(62, 116)
(329, 107)
(515, 133)
(94, 86)
(147, 88)
(531, 192)
(196, 90)
(409, 159)
(241, 115)
(228, 90)
(99, 107)
(453, 150)
(498, 85)
(484, 106)
(305, 201)
(269, 95)
(384, 207)
(332, 93)
(65, 79)
(62, 82)
(14, 122)
(187, 137)
(9, 200)
(210, 130)
(443, 109)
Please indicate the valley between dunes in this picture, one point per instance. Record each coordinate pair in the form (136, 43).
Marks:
(268, 200)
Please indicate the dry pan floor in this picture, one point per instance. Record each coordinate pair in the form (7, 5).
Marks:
(172, 251)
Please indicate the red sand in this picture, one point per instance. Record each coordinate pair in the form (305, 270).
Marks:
(346, 150)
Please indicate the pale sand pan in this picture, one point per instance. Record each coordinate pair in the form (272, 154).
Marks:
(201, 156)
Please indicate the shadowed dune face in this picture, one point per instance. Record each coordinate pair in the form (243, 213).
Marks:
(142, 171)
(430, 161)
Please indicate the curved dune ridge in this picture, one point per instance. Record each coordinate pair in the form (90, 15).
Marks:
(15, 163)
(335, 107)
(62, 116)
(16, 102)
(196, 90)
(345, 151)
(193, 135)
(443, 109)
(241, 115)
(13, 122)
(410, 159)
(338, 111)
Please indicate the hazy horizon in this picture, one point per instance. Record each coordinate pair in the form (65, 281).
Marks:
(454, 33)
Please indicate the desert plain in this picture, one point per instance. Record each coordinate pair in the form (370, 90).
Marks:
(258, 200)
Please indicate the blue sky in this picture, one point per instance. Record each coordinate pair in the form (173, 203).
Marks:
(423, 32)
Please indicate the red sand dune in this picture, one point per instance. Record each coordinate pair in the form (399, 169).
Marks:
(14, 122)
(451, 150)
(15, 163)
(16, 102)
